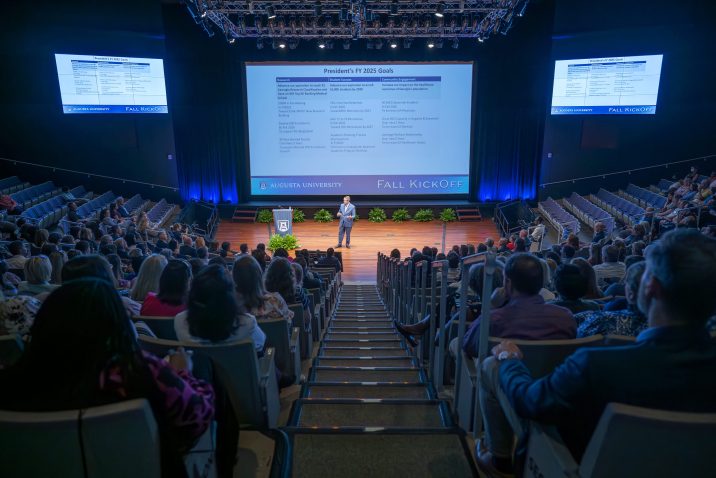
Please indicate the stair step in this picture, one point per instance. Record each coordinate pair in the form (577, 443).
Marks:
(361, 361)
(330, 413)
(338, 374)
(377, 454)
(362, 351)
(364, 328)
(327, 390)
(362, 343)
(337, 335)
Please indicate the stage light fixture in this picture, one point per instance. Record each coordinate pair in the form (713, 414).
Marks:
(440, 10)
(378, 44)
(456, 43)
(282, 44)
(293, 43)
(393, 44)
(431, 44)
(439, 43)
(259, 44)
(407, 42)
(481, 39)
(270, 12)
(346, 44)
(203, 14)
(232, 40)
(394, 8)
(318, 9)
(321, 44)
(343, 14)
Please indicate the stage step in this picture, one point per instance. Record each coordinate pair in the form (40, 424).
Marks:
(468, 214)
(369, 390)
(369, 413)
(244, 215)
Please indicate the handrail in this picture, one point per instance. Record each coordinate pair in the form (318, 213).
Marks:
(89, 174)
(629, 171)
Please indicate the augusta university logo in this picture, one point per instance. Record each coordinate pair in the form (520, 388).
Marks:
(283, 225)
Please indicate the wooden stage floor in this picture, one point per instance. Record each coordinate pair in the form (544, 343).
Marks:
(367, 239)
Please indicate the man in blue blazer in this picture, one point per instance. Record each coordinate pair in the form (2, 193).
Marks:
(672, 365)
(346, 213)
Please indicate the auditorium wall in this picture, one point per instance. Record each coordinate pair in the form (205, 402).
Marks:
(34, 129)
(683, 126)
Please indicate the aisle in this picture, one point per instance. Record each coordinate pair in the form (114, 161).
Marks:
(367, 408)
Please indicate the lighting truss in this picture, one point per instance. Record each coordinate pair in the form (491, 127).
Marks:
(356, 19)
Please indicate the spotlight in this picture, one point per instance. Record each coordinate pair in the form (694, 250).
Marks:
(203, 14)
(282, 44)
(232, 40)
(440, 10)
(481, 39)
(346, 44)
(270, 12)
(318, 9)
(393, 44)
(394, 8)
(456, 43)
(431, 44)
(321, 44)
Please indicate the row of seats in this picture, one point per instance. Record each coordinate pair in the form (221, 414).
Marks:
(89, 208)
(51, 211)
(35, 194)
(588, 212)
(135, 204)
(12, 184)
(160, 212)
(627, 211)
(643, 197)
(558, 217)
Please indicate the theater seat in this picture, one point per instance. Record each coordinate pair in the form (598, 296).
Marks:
(117, 440)
(163, 327)
(630, 441)
(11, 347)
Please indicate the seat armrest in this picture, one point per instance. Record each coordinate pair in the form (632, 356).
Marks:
(266, 363)
(547, 455)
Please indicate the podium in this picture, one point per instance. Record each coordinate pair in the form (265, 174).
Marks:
(283, 221)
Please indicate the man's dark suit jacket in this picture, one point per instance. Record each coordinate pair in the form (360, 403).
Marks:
(669, 368)
(187, 251)
(330, 262)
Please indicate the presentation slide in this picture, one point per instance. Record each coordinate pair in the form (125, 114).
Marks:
(350, 128)
(626, 85)
(109, 84)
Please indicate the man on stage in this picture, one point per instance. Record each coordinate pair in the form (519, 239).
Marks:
(346, 213)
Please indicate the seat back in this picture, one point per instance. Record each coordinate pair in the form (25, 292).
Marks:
(163, 327)
(117, 440)
(542, 356)
(306, 340)
(276, 331)
(633, 441)
(619, 340)
(234, 366)
(11, 347)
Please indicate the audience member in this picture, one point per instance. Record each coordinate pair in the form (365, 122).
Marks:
(571, 285)
(611, 270)
(173, 291)
(147, 279)
(17, 314)
(38, 272)
(18, 259)
(330, 260)
(250, 289)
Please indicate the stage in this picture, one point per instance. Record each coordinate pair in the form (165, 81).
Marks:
(367, 239)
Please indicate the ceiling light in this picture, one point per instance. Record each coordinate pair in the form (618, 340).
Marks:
(394, 7)
(431, 44)
(440, 10)
(270, 12)
(321, 44)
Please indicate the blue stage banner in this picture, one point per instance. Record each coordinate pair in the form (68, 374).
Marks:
(360, 184)
(116, 109)
(283, 221)
(604, 110)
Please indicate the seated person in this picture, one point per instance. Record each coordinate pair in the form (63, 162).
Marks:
(671, 366)
(250, 289)
(611, 270)
(38, 271)
(84, 353)
(600, 232)
(280, 278)
(173, 291)
(525, 315)
(629, 321)
(330, 260)
(187, 247)
(18, 259)
(213, 315)
(572, 286)
(17, 314)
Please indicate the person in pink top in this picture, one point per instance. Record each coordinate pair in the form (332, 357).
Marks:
(174, 286)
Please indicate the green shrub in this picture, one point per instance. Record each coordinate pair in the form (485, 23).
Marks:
(299, 216)
(323, 216)
(424, 215)
(400, 215)
(448, 215)
(377, 214)
(265, 216)
(288, 242)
